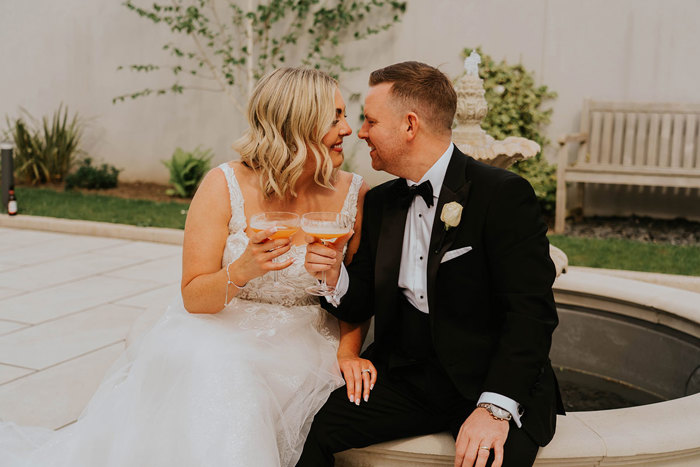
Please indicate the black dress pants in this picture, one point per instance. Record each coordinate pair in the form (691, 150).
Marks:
(396, 411)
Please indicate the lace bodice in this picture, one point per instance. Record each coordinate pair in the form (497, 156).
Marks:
(261, 289)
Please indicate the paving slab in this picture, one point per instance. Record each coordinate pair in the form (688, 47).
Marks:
(13, 238)
(67, 338)
(6, 292)
(166, 270)
(48, 246)
(143, 250)
(72, 297)
(62, 270)
(9, 373)
(10, 326)
(156, 298)
(55, 397)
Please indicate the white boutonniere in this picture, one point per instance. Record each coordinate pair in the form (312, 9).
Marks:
(451, 214)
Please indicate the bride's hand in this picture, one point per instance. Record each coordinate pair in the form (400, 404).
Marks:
(257, 258)
(320, 257)
(360, 376)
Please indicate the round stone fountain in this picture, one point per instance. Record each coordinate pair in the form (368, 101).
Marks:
(627, 353)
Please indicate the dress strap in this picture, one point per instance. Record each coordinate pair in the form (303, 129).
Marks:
(350, 204)
(235, 196)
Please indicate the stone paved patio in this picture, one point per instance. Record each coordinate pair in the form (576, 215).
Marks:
(67, 303)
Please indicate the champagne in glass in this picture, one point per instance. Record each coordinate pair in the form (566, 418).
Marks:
(286, 223)
(326, 227)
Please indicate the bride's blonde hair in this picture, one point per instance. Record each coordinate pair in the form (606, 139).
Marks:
(289, 113)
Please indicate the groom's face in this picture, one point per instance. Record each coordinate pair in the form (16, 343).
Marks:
(382, 129)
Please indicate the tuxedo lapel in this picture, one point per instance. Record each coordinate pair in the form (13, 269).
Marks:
(455, 187)
(389, 247)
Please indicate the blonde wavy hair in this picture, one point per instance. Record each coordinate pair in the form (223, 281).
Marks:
(289, 113)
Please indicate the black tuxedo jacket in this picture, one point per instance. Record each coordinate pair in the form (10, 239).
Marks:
(492, 311)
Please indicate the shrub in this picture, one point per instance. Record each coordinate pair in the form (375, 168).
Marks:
(89, 176)
(46, 151)
(187, 170)
(515, 109)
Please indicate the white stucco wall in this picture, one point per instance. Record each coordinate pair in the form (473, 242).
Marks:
(68, 51)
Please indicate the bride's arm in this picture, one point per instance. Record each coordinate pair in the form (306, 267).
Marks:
(358, 381)
(206, 286)
(352, 335)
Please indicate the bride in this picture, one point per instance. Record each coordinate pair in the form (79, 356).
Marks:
(235, 370)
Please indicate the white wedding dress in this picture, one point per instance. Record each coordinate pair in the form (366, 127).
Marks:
(237, 388)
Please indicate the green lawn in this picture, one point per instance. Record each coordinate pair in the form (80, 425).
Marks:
(76, 205)
(613, 253)
(592, 252)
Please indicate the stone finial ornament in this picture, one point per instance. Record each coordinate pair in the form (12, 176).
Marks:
(469, 137)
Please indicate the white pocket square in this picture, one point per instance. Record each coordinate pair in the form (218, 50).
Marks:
(455, 253)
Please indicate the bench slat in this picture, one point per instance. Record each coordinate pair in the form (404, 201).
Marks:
(640, 143)
(646, 107)
(691, 125)
(584, 148)
(606, 145)
(594, 145)
(618, 133)
(630, 133)
(656, 179)
(653, 146)
(665, 140)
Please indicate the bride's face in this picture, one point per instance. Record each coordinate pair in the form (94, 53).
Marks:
(333, 140)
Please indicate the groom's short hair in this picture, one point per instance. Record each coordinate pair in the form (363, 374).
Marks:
(423, 89)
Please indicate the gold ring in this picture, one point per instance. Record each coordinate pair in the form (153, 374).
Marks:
(485, 448)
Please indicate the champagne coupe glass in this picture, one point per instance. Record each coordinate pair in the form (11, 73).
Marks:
(287, 224)
(325, 227)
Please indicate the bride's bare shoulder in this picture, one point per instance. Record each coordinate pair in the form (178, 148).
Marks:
(345, 179)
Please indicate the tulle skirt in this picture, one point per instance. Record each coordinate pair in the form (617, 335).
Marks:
(239, 388)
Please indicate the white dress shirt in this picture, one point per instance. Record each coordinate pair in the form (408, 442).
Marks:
(413, 277)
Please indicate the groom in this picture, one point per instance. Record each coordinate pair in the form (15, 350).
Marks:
(454, 266)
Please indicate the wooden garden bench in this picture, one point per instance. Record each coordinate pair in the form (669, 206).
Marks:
(629, 143)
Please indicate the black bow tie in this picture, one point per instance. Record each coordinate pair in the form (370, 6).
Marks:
(424, 190)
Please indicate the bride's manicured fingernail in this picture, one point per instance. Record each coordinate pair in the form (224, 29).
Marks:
(371, 386)
(357, 402)
(352, 398)
(366, 397)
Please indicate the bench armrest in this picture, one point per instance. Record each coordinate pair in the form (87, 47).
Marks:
(573, 138)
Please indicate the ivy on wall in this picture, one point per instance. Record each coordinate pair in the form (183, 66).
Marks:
(227, 45)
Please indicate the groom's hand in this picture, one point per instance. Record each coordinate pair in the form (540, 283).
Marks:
(479, 432)
(320, 257)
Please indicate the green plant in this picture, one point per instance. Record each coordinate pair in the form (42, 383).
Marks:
(46, 151)
(186, 170)
(516, 109)
(231, 48)
(89, 176)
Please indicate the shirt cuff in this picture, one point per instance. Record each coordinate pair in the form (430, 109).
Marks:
(503, 402)
(341, 288)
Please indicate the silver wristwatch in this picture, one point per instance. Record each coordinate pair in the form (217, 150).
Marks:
(496, 412)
